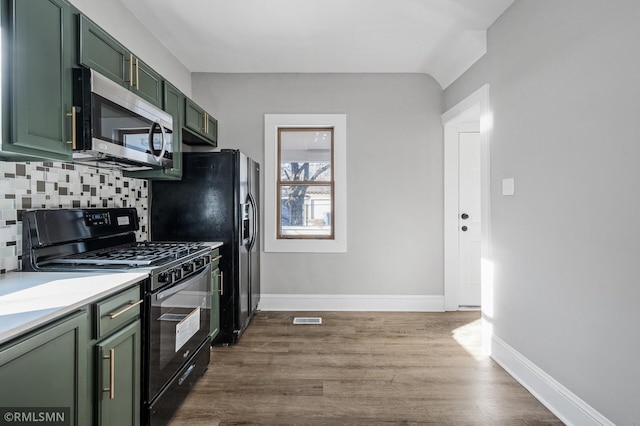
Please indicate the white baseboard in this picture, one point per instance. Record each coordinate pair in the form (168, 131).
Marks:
(351, 302)
(567, 406)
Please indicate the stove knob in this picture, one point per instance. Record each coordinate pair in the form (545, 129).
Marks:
(199, 262)
(163, 277)
(187, 267)
(177, 274)
(207, 259)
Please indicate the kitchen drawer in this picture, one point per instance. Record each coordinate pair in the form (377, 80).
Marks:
(116, 311)
(215, 258)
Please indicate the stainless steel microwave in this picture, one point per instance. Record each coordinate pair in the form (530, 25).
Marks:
(116, 128)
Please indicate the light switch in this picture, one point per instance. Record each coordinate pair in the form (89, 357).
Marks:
(508, 186)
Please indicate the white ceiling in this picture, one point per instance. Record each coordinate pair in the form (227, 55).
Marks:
(442, 38)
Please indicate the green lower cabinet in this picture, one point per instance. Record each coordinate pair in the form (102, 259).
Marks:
(215, 303)
(118, 377)
(116, 358)
(216, 288)
(37, 58)
(48, 368)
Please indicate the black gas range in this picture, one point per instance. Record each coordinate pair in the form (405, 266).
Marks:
(103, 239)
(177, 296)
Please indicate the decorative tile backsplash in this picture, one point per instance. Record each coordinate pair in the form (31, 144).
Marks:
(52, 185)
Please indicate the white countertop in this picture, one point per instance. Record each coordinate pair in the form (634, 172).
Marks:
(31, 299)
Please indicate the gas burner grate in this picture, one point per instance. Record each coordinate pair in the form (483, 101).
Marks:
(141, 254)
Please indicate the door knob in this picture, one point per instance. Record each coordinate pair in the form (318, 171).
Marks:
(464, 216)
(464, 229)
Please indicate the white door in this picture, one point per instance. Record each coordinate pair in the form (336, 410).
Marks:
(469, 230)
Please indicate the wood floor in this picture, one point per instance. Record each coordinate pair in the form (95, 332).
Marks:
(360, 368)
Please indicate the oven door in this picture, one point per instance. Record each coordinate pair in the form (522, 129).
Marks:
(179, 321)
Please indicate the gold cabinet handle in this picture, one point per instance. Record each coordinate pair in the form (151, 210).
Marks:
(130, 81)
(137, 74)
(131, 305)
(221, 283)
(112, 373)
(72, 114)
(216, 258)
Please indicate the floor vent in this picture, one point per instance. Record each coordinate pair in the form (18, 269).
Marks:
(307, 320)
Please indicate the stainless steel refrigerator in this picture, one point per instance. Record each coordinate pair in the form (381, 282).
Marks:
(217, 200)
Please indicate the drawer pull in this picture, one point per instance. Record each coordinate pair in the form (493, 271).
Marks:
(132, 305)
(216, 258)
(186, 374)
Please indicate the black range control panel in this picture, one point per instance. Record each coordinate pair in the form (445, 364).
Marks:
(55, 226)
(97, 219)
(116, 220)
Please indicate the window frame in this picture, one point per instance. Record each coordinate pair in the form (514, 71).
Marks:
(280, 183)
(273, 122)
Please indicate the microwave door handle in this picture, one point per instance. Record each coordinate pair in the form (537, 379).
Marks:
(164, 136)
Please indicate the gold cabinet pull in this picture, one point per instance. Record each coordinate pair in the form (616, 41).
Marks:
(130, 60)
(112, 373)
(216, 258)
(114, 315)
(137, 74)
(221, 283)
(72, 114)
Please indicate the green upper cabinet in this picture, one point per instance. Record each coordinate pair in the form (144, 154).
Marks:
(37, 59)
(101, 52)
(147, 83)
(211, 128)
(173, 103)
(199, 123)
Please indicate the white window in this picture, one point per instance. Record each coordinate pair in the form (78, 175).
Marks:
(305, 183)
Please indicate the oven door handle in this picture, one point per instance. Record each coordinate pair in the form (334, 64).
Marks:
(175, 289)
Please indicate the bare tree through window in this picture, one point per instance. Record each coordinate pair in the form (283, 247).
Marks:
(305, 183)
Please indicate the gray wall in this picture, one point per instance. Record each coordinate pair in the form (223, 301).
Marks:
(394, 167)
(565, 84)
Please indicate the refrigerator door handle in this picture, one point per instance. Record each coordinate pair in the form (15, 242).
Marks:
(245, 228)
(254, 223)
